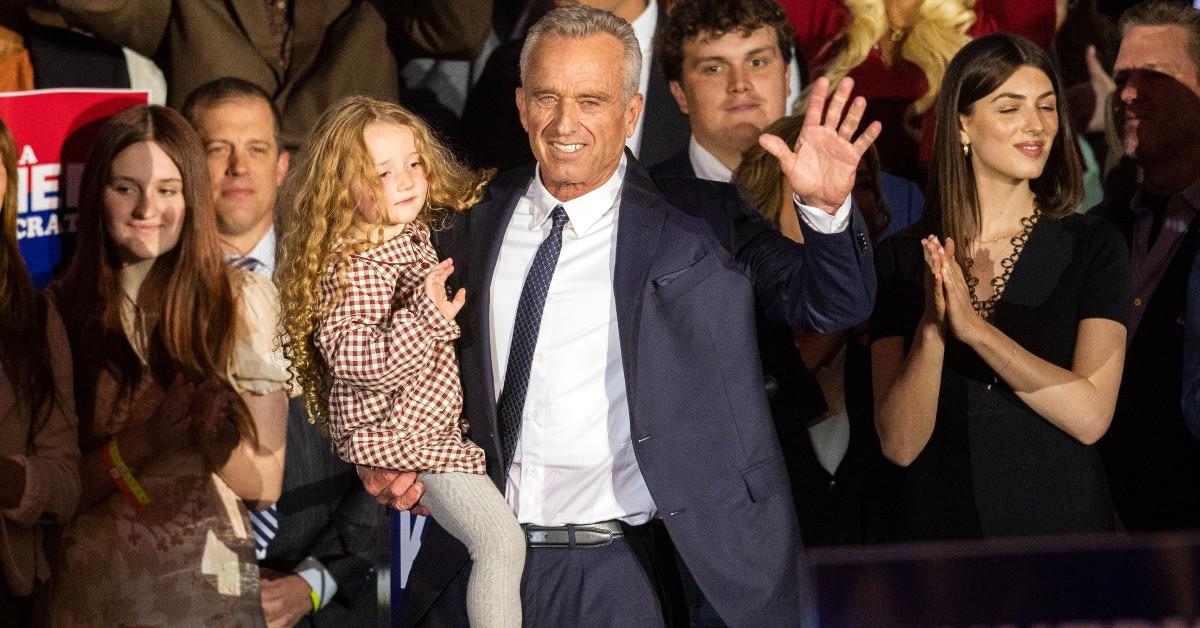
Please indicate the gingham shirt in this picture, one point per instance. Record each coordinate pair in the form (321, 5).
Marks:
(395, 401)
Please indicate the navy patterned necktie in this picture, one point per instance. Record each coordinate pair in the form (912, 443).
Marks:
(524, 336)
(246, 262)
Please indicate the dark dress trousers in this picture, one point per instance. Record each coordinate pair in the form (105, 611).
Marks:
(701, 426)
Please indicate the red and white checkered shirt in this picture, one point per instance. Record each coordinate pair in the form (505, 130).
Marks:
(396, 400)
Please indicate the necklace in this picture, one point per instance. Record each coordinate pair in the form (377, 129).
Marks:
(985, 308)
(1003, 237)
(896, 34)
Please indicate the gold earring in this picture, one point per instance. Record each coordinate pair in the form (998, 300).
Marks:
(966, 150)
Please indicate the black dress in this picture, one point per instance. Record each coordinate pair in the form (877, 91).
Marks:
(993, 467)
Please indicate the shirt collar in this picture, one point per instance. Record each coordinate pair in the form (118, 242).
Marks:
(583, 212)
(402, 249)
(644, 25)
(264, 252)
(1189, 195)
(706, 165)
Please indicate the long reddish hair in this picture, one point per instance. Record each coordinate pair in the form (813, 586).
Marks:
(187, 290)
(23, 354)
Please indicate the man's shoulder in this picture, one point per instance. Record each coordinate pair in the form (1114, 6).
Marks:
(677, 165)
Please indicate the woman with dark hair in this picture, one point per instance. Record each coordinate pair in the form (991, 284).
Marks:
(180, 396)
(998, 341)
(39, 455)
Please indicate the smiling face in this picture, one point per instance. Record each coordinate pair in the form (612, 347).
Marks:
(143, 203)
(402, 176)
(1154, 106)
(731, 88)
(1011, 131)
(245, 165)
(573, 109)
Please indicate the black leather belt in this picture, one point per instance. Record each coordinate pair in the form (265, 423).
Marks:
(574, 535)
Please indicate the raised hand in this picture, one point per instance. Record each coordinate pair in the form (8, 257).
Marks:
(961, 317)
(435, 289)
(935, 297)
(820, 168)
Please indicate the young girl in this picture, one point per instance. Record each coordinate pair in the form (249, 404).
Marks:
(181, 399)
(369, 327)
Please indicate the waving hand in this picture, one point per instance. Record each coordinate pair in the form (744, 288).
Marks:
(820, 168)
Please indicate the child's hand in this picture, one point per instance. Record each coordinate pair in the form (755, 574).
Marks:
(435, 289)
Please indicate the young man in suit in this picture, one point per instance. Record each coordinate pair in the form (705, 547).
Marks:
(727, 65)
(608, 356)
(319, 545)
(1153, 464)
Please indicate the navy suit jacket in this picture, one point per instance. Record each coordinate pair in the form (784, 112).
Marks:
(701, 427)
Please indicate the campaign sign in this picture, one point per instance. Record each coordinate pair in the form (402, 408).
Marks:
(54, 130)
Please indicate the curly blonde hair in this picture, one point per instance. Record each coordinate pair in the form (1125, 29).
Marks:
(319, 202)
(939, 33)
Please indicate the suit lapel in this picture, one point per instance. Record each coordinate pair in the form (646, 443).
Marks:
(488, 221)
(640, 220)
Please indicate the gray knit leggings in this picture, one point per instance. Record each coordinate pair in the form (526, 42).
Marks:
(469, 507)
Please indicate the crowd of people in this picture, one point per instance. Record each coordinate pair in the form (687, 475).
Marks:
(688, 287)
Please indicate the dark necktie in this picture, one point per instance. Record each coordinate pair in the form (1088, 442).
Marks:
(524, 337)
(246, 262)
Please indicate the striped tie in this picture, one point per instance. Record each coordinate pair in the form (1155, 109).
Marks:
(266, 525)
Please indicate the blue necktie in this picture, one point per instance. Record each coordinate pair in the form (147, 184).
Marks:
(246, 262)
(265, 523)
(524, 337)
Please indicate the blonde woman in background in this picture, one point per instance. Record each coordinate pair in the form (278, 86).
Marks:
(897, 52)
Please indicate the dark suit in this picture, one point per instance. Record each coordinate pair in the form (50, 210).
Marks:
(324, 512)
(702, 431)
(1152, 461)
(853, 505)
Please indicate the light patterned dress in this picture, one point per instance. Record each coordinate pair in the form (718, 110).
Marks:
(188, 558)
(396, 399)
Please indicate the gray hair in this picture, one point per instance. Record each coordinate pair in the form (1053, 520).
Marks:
(1158, 13)
(578, 21)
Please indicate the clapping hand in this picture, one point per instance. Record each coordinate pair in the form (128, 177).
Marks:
(435, 289)
(820, 168)
(948, 299)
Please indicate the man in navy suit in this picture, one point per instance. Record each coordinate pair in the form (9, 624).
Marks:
(642, 401)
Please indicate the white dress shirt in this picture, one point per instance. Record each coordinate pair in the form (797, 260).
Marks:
(263, 253)
(643, 29)
(574, 462)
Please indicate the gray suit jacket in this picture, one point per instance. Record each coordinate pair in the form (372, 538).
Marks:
(325, 513)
